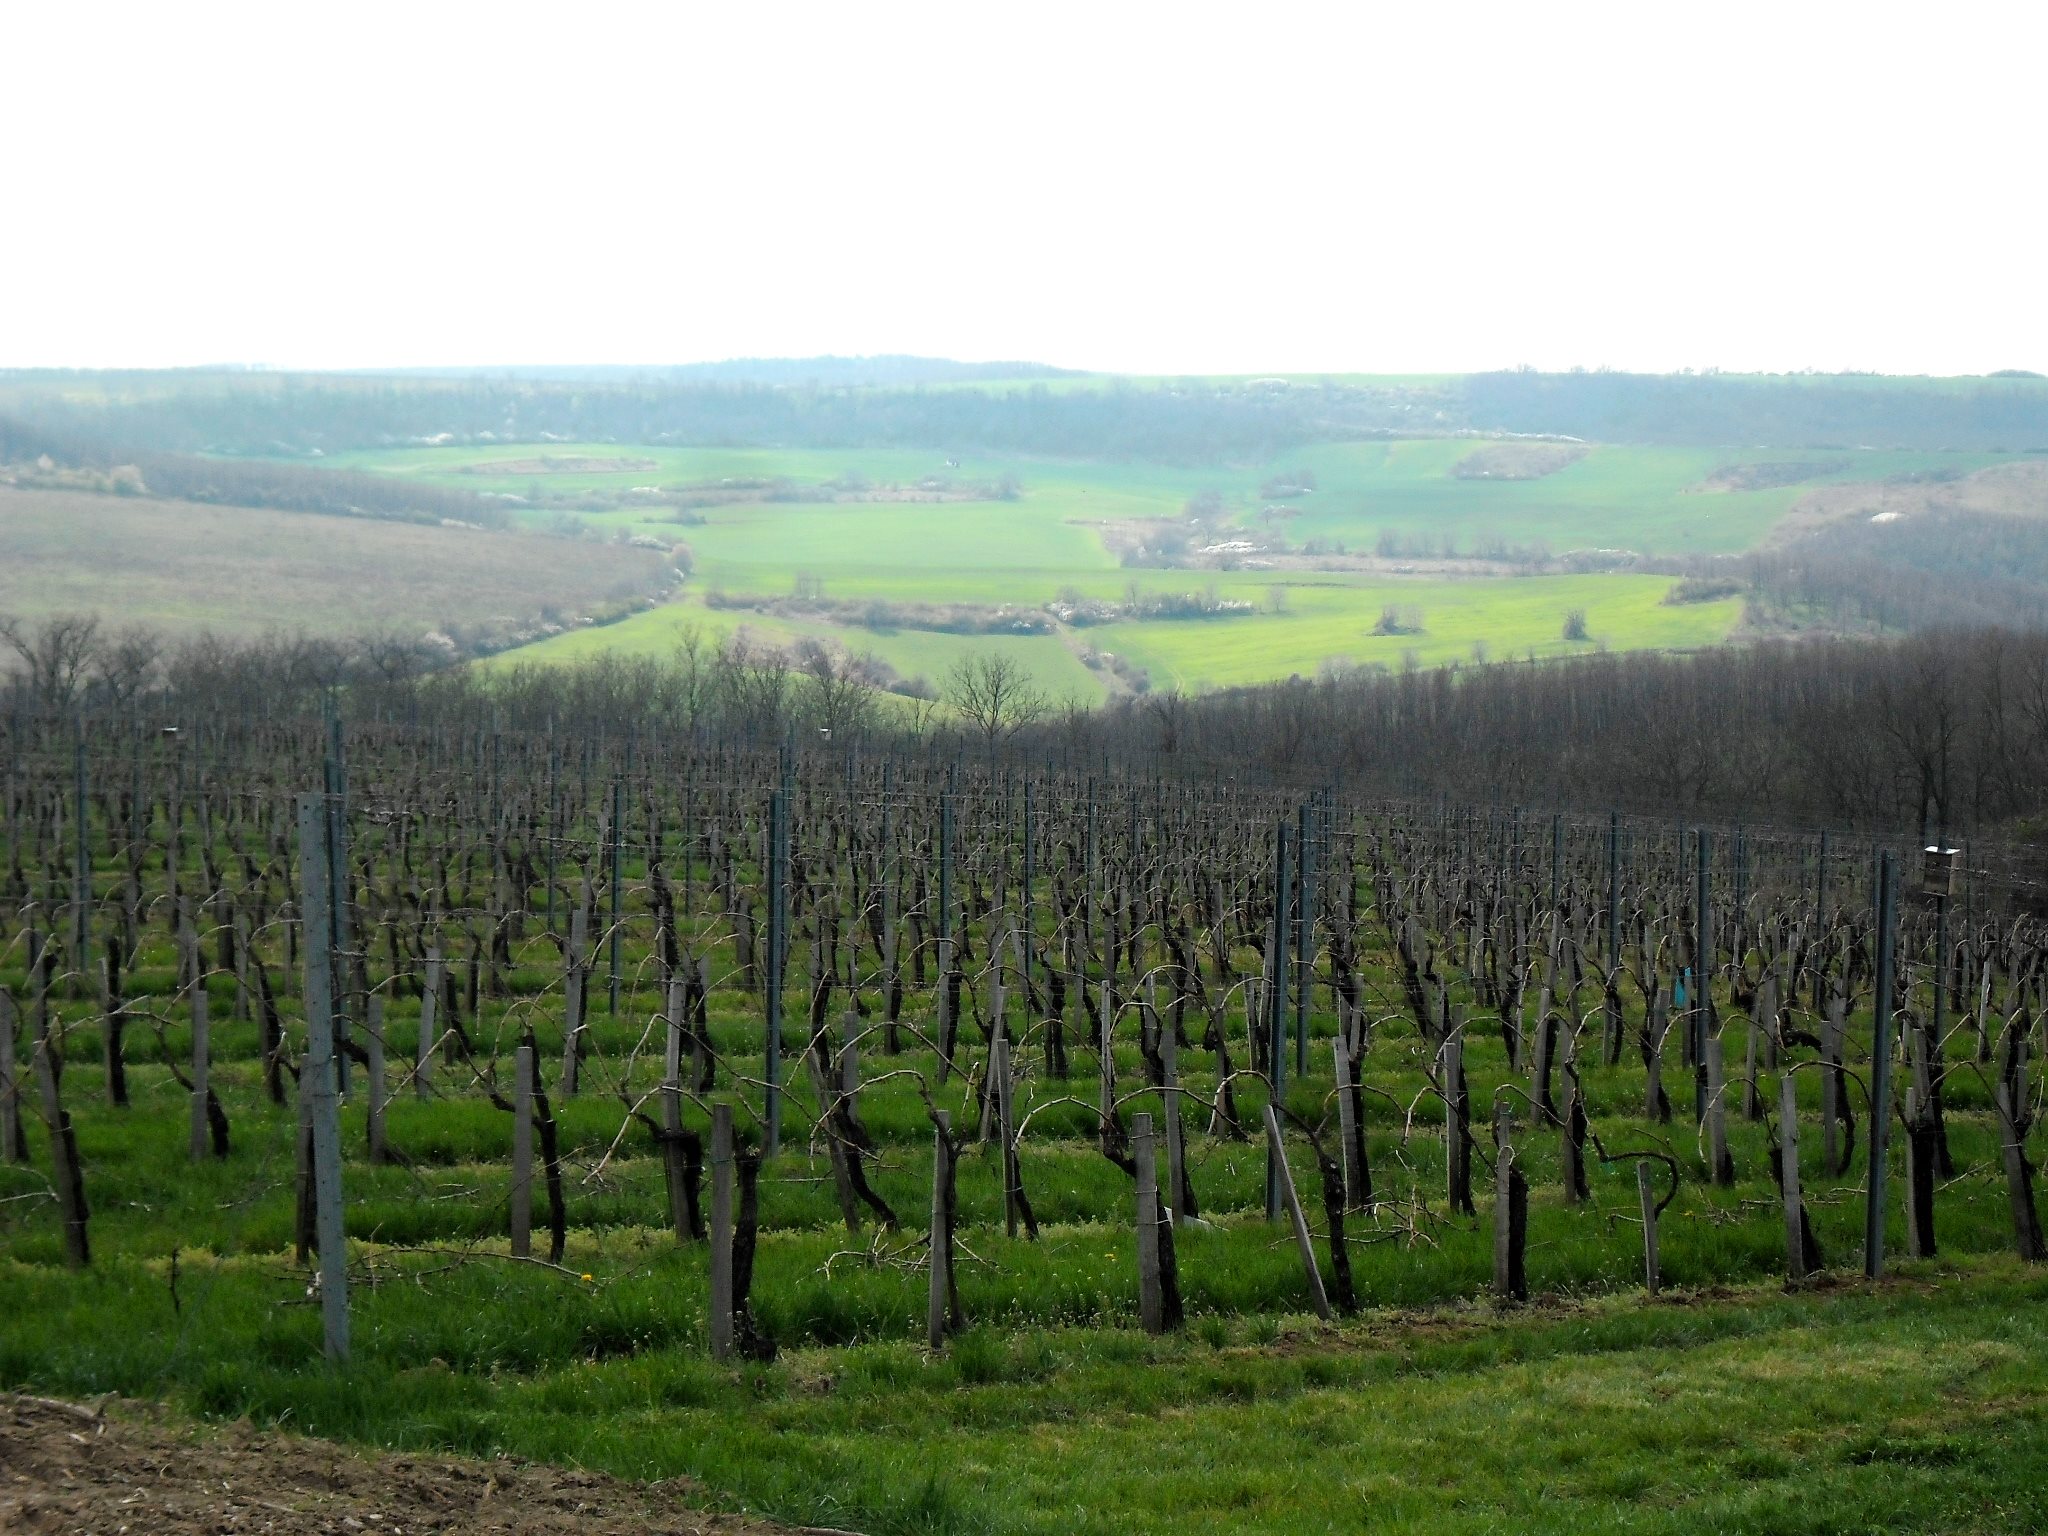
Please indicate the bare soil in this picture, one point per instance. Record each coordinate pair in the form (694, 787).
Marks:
(128, 1468)
(181, 567)
(1765, 477)
(2018, 489)
(1517, 461)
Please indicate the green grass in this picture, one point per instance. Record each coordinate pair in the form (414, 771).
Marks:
(1918, 1405)
(1329, 618)
(1910, 1407)
(1024, 553)
(1051, 665)
(1617, 497)
(1507, 617)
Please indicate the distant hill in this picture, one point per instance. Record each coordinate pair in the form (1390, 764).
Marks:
(891, 369)
(905, 402)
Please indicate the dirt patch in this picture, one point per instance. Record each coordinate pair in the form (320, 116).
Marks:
(1517, 461)
(571, 465)
(1766, 477)
(130, 1469)
(2010, 490)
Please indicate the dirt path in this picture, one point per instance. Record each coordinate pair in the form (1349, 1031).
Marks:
(132, 1470)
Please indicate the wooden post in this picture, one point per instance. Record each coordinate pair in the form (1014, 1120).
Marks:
(721, 1231)
(778, 957)
(316, 823)
(1510, 1213)
(947, 1023)
(373, 1030)
(522, 1155)
(1276, 1014)
(1457, 1121)
(617, 892)
(1880, 1073)
(1832, 1029)
(1788, 1178)
(81, 870)
(430, 1003)
(2019, 1182)
(1277, 1153)
(835, 1149)
(1646, 1198)
(1006, 1129)
(202, 1058)
(1347, 1118)
(1919, 1171)
(1151, 1297)
(13, 1146)
(1176, 1142)
(1105, 1048)
(305, 1230)
(67, 1176)
(574, 975)
(1717, 1110)
(939, 1293)
(672, 1109)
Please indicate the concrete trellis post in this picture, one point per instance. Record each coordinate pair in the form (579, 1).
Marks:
(1788, 1178)
(1151, 1295)
(1318, 1298)
(319, 1087)
(722, 1172)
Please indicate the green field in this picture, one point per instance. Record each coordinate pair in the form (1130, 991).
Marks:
(1051, 540)
(1649, 499)
(1053, 667)
(1726, 1405)
(1332, 622)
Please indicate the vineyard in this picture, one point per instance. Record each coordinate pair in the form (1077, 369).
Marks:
(443, 1085)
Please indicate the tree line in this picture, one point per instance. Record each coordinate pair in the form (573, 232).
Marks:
(1943, 733)
(40, 456)
(822, 403)
(1792, 411)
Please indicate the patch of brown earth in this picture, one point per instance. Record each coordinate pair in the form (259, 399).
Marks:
(2018, 489)
(1517, 461)
(130, 1469)
(1765, 477)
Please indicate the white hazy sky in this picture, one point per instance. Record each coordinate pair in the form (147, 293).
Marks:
(1156, 188)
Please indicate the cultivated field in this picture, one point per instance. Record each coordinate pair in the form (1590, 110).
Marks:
(180, 567)
(1043, 958)
(907, 528)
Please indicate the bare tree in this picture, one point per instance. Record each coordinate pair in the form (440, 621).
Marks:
(128, 664)
(839, 690)
(995, 695)
(59, 654)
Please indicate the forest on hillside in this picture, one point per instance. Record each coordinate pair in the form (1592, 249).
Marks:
(829, 403)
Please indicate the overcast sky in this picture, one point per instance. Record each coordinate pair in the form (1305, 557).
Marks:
(1172, 188)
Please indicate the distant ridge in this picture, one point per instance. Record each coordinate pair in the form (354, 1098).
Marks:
(896, 369)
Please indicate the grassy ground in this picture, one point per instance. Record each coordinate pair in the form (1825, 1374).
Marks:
(1914, 1406)
(1651, 499)
(1059, 535)
(180, 567)
(1333, 620)
(1327, 619)
(1052, 665)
